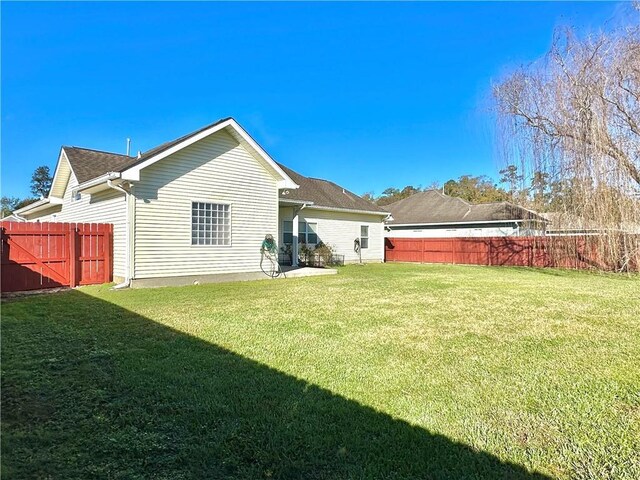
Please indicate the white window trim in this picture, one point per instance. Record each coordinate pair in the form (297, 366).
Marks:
(216, 202)
(285, 232)
(306, 232)
(368, 237)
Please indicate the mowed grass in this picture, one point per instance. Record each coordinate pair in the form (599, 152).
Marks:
(382, 371)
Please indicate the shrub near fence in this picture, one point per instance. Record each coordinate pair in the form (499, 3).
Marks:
(50, 254)
(580, 252)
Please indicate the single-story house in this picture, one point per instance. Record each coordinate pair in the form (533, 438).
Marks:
(568, 224)
(432, 214)
(201, 205)
(560, 223)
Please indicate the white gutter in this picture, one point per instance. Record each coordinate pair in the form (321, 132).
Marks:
(127, 255)
(41, 204)
(312, 205)
(32, 206)
(428, 224)
(347, 210)
(295, 202)
(94, 182)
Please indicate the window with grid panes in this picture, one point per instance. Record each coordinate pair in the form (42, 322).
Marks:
(307, 233)
(287, 232)
(210, 223)
(364, 236)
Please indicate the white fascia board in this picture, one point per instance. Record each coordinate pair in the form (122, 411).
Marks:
(98, 183)
(34, 207)
(38, 205)
(133, 173)
(428, 224)
(347, 210)
(286, 181)
(295, 202)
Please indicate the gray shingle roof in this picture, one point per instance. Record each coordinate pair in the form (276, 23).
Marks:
(324, 193)
(433, 206)
(167, 145)
(88, 164)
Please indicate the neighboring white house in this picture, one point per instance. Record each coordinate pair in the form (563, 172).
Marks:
(12, 218)
(432, 214)
(201, 205)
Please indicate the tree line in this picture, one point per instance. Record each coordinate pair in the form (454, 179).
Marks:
(40, 186)
(538, 191)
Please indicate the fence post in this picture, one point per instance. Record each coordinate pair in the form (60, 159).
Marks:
(453, 251)
(530, 249)
(3, 250)
(73, 255)
(108, 242)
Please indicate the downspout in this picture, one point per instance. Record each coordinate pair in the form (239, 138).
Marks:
(127, 256)
(296, 249)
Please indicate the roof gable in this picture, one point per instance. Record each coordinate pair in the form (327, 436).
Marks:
(131, 170)
(88, 164)
(60, 176)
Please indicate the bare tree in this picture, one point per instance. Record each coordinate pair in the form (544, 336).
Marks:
(573, 118)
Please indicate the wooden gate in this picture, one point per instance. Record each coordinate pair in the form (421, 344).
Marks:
(48, 255)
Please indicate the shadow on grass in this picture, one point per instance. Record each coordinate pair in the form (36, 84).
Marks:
(92, 390)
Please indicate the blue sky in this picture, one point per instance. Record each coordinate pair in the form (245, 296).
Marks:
(369, 95)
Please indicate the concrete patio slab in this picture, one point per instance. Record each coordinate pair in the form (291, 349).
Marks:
(290, 272)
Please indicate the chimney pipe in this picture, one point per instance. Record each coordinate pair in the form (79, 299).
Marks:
(128, 146)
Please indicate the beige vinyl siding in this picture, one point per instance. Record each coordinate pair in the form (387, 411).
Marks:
(62, 175)
(340, 229)
(103, 207)
(217, 170)
(48, 215)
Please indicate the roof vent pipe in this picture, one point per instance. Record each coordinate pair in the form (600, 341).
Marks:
(128, 146)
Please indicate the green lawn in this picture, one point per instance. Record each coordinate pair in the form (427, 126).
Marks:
(382, 371)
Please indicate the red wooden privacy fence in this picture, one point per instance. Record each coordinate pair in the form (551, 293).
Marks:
(48, 255)
(566, 252)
